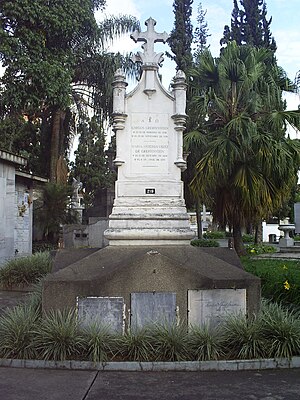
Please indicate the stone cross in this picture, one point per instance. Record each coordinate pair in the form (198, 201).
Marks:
(149, 37)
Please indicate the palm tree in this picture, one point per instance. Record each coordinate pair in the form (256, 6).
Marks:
(247, 165)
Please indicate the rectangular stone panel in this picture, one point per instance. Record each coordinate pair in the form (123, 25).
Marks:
(108, 311)
(150, 307)
(149, 143)
(210, 307)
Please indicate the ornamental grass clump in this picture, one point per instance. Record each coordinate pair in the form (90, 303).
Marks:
(170, 342)
(17, 330)
(281, 329)
(205, 343)
(34, 298)
(25, 270)
(58, 336)
(243, 337)
(136, 345)
(99, 342)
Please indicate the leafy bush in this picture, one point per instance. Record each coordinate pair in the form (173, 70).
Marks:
(214, 235)
(41, 246)
(204, 243)
(254, 249)
(25, 270)
(280, 280)
(99, 342)
(17, 328)
(205, 344)
(58, 337)
(247, 238)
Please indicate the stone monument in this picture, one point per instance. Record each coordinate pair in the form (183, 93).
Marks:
(149, 122)
(150, 272)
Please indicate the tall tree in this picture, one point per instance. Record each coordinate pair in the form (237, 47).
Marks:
(248, 166)
(91, 164)
(201, 32)
(249, 25)
(47, 47)
(181, 37)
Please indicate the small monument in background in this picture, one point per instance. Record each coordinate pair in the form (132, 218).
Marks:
(150, 272)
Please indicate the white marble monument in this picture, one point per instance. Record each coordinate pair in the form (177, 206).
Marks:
(149, 207)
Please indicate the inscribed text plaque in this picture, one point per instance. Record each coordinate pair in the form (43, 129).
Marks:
(150, 307)
(106, 311)
(210, 307)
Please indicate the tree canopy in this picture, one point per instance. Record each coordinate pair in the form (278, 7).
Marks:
(248, 166)
(249, 25)
(55, 59)
(181, 37)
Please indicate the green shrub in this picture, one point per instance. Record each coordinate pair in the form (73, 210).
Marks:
(247, 238)
(205, 344)
(25, 270)
(281, 330)
(136, 345)
(170, 342)
(204, 243)
(254, 249)
(17, 327)
(99, 343)
(280, 280)
(214, 235)
(58, 336)
(243, 337)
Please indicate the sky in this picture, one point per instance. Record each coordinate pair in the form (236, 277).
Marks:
(284, 27)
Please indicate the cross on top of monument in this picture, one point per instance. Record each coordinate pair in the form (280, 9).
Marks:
(149, 37)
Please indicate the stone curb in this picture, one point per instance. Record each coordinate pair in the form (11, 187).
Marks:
(223, 365)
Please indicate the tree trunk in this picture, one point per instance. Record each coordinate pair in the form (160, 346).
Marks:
(237, 240)
(57, 119)
(258, 233)
(199, 220)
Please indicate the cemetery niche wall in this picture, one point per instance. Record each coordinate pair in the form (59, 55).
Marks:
(149, 271)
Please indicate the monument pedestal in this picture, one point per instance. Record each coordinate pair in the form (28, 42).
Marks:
(183, 283)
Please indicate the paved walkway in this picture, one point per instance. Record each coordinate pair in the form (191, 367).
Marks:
(26, 384)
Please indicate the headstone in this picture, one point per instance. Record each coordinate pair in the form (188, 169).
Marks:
(210, 307)
(149, 122)
(107, 311)
(152, 307)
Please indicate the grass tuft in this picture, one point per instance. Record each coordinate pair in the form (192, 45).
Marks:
(17, 328)
(25, 270)
(58, 337)
(205, 344)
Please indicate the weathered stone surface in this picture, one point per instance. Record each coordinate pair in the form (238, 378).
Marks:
(120, 271)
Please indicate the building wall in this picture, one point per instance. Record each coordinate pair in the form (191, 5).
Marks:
(23, 220)
(7, 211)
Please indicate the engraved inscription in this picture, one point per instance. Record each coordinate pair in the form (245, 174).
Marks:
(149, 143)
(107, 311)
(210, 307)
